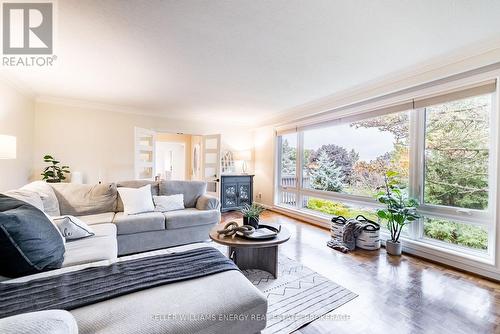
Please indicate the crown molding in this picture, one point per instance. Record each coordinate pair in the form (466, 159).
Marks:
(18, 86)
(462, 60)
(84, 104)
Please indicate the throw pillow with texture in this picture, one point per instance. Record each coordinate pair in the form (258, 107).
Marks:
(136, 200)
(169, 203)
(72, 228)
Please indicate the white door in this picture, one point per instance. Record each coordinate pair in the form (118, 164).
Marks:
(144, 160)
(211, 163)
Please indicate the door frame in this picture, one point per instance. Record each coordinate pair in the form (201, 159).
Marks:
(215, 178)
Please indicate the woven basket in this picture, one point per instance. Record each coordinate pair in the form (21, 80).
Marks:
(337, 228)
(369, 238)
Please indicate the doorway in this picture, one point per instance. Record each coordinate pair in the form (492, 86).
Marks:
(171, 160)
(178, 156)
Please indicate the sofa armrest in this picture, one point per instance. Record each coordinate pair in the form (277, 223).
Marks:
(207, 202)
(42, 322)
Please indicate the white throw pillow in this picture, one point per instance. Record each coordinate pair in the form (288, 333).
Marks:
(72, 228)
(169, 203)
(136, 200)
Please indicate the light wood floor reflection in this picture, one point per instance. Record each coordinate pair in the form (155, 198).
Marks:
(396, 295)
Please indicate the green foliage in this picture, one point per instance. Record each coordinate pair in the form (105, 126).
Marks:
(54, 173)
(337, 209)
(457, 153)
(342, 158)
(456, 233)
(400, 209)
(252, 211)
(326, 175)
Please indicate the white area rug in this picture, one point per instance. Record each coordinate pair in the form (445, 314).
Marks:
(298, 296)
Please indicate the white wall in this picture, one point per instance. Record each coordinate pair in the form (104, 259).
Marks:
(17, 114)
(264, 165)
(90, 139)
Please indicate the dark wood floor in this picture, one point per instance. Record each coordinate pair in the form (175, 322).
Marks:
(396, 295)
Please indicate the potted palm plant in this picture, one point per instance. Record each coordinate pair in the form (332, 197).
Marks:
(400, 211)
(251, 214)
(53, 173)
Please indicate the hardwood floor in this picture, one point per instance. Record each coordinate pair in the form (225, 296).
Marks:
(396, 295)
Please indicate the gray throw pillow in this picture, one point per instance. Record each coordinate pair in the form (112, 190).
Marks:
(29, 242)
(72, 228)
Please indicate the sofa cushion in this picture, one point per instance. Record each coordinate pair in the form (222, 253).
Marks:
(27, 196)
(213, 295)
(155, 189)
(192, 190)
(142, 222)
(85, 199)
(48, 196)
(29, 242)
(102, 246)
(191, 217)
(100, 218)
(42, 322)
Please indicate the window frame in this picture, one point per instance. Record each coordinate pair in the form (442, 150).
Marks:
(484, 218)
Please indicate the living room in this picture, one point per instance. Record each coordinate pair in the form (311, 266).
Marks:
(249, 166)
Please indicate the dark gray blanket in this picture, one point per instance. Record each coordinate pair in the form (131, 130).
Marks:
(95, 284)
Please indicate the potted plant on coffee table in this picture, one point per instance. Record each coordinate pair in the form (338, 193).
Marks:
(400, 211)
(251, 214)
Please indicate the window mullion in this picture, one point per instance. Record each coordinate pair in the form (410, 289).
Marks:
(299, 166)
(417, 133)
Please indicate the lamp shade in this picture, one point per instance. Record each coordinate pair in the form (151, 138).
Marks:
(7, 147)
(245, 155)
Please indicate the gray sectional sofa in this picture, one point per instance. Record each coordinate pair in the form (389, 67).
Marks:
(224, 294)
(101, 207)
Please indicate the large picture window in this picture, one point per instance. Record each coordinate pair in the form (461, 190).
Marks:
(441, 147)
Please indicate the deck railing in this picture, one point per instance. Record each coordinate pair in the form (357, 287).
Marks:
(289, 198)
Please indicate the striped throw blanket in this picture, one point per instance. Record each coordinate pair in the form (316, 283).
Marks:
(91, 285)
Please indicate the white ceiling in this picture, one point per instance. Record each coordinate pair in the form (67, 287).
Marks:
(244, 60)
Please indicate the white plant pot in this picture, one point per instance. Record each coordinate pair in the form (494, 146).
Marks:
(393, 248)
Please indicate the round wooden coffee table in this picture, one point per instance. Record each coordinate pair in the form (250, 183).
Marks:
(251, 254)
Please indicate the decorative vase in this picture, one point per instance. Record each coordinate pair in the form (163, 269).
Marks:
(393, 248)
(252, 221)
(53, 181)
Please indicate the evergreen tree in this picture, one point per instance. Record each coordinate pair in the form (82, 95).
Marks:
(326, 175)
(288, 158)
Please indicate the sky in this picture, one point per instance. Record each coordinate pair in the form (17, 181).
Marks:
(368, 142)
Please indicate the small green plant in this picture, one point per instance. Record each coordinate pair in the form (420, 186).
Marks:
(252, 211)
(54, 173)
(400, 209)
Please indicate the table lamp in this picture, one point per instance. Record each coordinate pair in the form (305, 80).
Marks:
(7, 147)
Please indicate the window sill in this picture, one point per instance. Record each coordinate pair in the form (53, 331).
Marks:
(475, 263)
